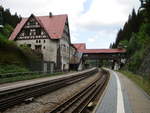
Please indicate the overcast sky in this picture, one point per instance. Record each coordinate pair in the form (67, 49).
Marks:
(94, 22)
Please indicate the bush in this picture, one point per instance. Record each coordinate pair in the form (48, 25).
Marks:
(7, 30)
(11, 54)
(11, 69)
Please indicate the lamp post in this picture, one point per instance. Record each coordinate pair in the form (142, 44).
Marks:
(1, 17)
(145, 3)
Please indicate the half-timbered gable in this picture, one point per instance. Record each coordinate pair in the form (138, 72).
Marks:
(32, 30)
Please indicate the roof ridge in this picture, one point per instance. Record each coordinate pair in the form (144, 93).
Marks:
(46, 16)
(55, 24)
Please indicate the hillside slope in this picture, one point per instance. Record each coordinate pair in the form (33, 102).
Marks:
(14, 58)
(135, 37)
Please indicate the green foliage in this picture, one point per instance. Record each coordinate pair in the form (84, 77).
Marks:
(11, 69)
(135, 61)
(7, 30)
(131, 26)
(4, 43)
(11, 54)
(27, 77)
(124, 44)
(31, 54)
(137, 47)
(137, 50)
(10, 19)
(135, 38)
(2, 36)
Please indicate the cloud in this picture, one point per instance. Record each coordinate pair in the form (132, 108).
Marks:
(73, 8)
(95, 22)
(92, 39)
(101, 39)
(106, 13)
(42, 7)
(73, 39)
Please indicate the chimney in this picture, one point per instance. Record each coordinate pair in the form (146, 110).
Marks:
(50, 14)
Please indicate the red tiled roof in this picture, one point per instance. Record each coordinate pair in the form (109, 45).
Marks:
(80, 46)
(54, 25)
(104, 51)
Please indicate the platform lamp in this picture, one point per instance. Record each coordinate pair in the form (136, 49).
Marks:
(144, 3)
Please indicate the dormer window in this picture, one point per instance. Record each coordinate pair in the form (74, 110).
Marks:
(32, 23)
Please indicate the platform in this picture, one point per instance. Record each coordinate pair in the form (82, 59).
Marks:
(7, 86)
(123, 96)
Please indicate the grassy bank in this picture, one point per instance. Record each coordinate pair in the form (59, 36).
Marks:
(12, 69)
(27, 77)
(17, 59)
(141, 81)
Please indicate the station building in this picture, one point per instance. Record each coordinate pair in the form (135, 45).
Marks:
(48, 35)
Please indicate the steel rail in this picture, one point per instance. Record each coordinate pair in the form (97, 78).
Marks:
(78, 102)
(17, 95)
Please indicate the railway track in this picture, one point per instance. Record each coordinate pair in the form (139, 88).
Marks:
(78, 102)
(11, 97)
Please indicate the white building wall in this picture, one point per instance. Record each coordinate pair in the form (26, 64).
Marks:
(64, 48)
(72, 54)
(48, 49)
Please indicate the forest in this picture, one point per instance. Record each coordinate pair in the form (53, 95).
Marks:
(9, 22)
(135, 38)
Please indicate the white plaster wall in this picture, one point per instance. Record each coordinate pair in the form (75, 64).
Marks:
(72, 52)
(64, 53)
(50, 51)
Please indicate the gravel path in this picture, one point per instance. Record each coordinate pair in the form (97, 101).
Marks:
(44, 103)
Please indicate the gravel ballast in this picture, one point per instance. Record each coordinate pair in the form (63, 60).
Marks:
(46, 102)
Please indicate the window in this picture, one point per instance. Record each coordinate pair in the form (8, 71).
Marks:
(0, 14)
(38, 48)
(29, 45)
(39, 41)
(32, 32)
(44, 41)
(27, 31)
(38, 31)
(32, 22)
(44, 47)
